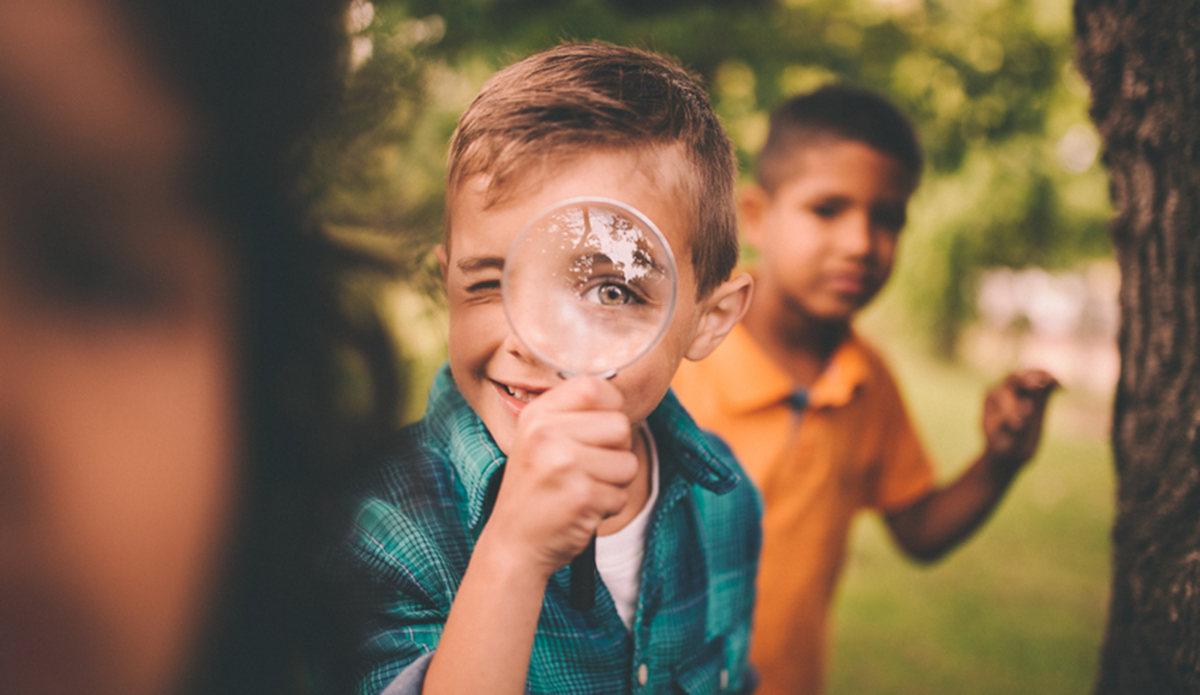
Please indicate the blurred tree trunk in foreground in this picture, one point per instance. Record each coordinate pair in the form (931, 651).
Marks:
(1141, 59)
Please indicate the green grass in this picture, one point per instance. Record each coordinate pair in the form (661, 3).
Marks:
(1020, 608)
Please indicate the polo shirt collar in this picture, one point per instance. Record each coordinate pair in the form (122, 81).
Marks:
(476, 459)
(839, 381)
(745, 377)
(748, 380)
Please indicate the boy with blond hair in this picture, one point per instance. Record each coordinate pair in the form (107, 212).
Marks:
(807, 405)
(458, 551)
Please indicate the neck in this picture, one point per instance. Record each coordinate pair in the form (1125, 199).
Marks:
(796, 341)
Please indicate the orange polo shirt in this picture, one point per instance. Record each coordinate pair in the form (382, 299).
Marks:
(852, 447)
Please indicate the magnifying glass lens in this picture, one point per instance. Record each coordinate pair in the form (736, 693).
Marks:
(590, 286)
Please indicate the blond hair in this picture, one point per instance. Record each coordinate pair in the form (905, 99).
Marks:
(581, 98)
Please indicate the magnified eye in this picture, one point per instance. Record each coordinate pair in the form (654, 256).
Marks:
(611, 294)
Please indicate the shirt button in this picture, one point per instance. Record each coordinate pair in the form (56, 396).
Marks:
(643, 674)
(724, 678)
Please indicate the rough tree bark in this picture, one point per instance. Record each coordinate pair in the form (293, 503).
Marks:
(1141, 59)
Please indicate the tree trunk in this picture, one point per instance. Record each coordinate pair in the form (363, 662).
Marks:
(1140, 57)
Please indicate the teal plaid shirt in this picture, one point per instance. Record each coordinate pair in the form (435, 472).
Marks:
(411, 534)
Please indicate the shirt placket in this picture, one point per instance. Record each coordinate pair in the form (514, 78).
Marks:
(651, 673)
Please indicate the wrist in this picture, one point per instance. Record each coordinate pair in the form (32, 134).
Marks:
(1003, 467)
(505, 560)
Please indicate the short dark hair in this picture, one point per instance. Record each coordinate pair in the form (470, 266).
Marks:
(837, 112)
(583, 97)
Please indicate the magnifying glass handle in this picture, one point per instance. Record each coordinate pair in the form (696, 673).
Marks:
(583, 578)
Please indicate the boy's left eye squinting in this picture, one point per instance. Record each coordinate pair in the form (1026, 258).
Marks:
(483, 286)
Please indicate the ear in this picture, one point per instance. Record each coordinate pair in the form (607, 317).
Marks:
(442, 259)
(753, 203)
(721, 312)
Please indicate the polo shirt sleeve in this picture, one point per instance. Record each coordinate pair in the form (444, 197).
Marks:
(904, 472)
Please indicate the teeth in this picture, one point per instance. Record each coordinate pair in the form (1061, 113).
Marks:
(520, 394)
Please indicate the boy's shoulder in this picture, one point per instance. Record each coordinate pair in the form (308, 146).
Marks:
(866, 348)
(858, 365)
(425, 495)
(702, 457)
(737, 374)
(735, 512)
(409, 469)
(725, 498)
(446, 455)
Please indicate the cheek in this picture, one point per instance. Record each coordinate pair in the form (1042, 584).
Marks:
(885, 254)
(645, 383)
(796, 242)
(475, 332)
(127, 446)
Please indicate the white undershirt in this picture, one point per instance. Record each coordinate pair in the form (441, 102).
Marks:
(619, 555)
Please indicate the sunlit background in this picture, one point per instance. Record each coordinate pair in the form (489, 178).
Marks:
(1005, 263)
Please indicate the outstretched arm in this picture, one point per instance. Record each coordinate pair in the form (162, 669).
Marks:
(1012, 425)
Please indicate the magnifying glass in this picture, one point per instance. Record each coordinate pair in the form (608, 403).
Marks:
(589, 287)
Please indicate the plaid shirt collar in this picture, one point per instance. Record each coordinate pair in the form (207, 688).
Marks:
(463, 440)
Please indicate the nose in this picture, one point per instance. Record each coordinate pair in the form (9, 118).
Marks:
(856, 236)
(515, 347)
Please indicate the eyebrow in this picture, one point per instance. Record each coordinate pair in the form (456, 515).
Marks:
(473, 264)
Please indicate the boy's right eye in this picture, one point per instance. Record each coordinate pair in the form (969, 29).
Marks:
(828, 210)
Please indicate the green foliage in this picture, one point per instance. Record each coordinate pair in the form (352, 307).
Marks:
(1011, 179)
(381, 181)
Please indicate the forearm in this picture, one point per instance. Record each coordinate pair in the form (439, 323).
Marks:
(937, 523)
(488, 638)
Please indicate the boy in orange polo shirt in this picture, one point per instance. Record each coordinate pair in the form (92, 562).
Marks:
(809, 407)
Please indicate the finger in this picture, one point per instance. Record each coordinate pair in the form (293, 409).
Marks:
(549, 447)
(608, 467)
(1007, 420)
(609, 500)
(1022, 412)
(606, 429)
(1000, 403)
(587, 502)
(539, 431)
(581, 393)
(1034, 382)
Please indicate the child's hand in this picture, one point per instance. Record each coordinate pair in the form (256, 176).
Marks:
(1012, 416)
(570, 465)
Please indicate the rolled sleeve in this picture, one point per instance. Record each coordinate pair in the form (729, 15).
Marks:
(412, 679)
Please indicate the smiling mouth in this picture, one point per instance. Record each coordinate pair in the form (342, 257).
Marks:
(521, 394)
